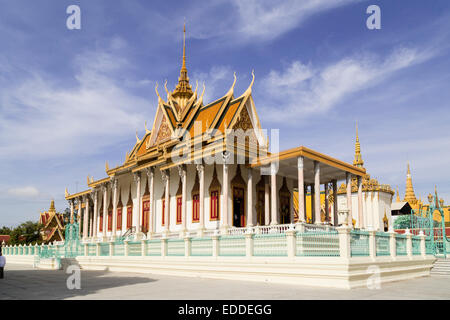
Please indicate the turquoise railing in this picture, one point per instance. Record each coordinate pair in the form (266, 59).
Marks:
(201, 247)
(359, 243)
(175, 247)
(232, 246)
(153, 247)
(318, 244)
(134, 248)
(383, 244)
(104, 249)
(270, 245)
(400, 245)
(92, 249)
(415, 245)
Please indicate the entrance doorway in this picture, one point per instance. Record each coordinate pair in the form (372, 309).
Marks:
(238, 207)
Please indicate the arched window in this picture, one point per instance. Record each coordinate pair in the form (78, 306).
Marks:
(214, 195)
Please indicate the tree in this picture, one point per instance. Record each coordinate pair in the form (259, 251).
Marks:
(403, 222)
(26, 233)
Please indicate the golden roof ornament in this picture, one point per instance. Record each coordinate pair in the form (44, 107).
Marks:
(52, 206)
(183, 90)
(409, 193)
(358, 162)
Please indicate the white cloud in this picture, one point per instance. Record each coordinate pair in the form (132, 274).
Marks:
(267, 19)
(302, 90)
(44, 118)
(215, 80)
(23, 192)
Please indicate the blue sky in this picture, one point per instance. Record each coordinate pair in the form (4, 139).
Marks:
(72, 99)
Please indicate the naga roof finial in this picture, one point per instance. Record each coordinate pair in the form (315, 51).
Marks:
(249, 90)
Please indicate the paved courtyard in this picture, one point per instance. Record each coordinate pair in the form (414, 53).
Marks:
(24, 282)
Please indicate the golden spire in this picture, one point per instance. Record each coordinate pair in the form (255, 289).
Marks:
(409, 193)
(398, 196)
(183, 90)
(52, 206)
(358, 162)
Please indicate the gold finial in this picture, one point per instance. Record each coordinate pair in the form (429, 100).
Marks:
(183, 90)
(358, 162)
(231, 91)
(137, 138)
(167, 91)
(107, 166)
(249, 90)
(200, 100)
(409, 194)
(398, 195)
(146, 129)
(52, 206)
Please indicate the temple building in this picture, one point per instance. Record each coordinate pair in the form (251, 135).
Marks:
(52, 225)
(207, 168)
(376, 198)
(417, 205)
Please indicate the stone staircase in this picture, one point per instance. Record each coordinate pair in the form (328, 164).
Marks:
(441, 267)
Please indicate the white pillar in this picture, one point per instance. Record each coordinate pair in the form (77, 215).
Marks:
(335, 204)
(95, 226)
(301, 189)
(152, 218)
(273, 189)
(183, 173)
(266, 201)
(80, 201)
(105, 211)
(114, 184)
(326, 201)
(166, 178)
(71, 209)
(225, 195)
(201, 173)
(136, 213)
(317, 191)
(349, 198)
(86, 217)
(250, 198)
(360, 204)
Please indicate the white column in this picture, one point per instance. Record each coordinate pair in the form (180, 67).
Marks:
(335, 205)
(326, 200)
(250, 198)
(349, 198)
(183, 173)
(301, 189)
(86, 217)
(266, 201)
(317, 191)
(136, 213)
(273, 193)
(105, 211)
(95, 226)
(166, 178)
(201, 173)
(360, 204)
(114, 184)
(71, 210)
(225, 196)
(151, 175)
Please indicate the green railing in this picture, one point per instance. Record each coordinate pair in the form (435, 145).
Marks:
(416, 245)
(153, 247)
(383, 244)
(359, 243)
(175, 247)
(201, 247)
(317, 244)
(270, 245)
(134, 248)
(92, 249)
(104, 249)
(400, 245)
(232, 246)
(119, 248)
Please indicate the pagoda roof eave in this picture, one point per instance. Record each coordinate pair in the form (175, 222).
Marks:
(79, 194)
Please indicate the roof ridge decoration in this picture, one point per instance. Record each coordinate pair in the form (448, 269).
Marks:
(358, 162)
(409, 193)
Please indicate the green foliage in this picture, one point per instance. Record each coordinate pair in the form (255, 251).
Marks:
(26, 233)
(403, 222)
